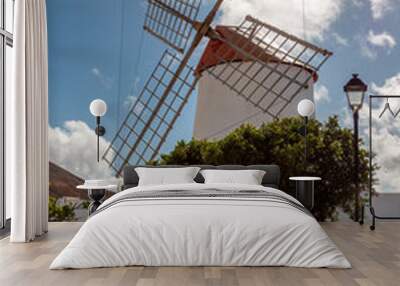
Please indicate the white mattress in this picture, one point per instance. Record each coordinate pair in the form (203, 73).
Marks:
(202, 232)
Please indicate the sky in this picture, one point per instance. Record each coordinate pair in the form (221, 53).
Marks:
(98, 49)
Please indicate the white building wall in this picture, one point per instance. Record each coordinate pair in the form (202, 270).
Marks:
(220, 110)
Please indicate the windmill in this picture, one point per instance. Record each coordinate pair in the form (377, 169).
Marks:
(162, 99)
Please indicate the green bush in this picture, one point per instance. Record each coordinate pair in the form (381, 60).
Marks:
(60, 213)
(330, 156)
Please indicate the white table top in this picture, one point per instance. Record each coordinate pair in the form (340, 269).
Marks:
(89, 187)
(305, 178)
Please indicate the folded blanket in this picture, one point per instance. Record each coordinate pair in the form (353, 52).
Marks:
(206, 193)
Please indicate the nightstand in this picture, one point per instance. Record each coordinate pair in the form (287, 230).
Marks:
(305, 190)
(96, 193)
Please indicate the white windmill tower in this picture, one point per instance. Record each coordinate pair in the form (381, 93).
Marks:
(219, 110)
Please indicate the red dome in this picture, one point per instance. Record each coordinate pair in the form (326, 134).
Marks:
(218, 52)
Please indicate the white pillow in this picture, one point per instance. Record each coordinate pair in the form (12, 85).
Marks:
(165, 176)
(248, 177)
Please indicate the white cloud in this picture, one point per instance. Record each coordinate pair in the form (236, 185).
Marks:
(74, 147)
(347, 116)
(287, 15)
(380, 8)
(340, 39)
(321, 93)
(384, 39)
(390, 86)
(104, 80)
(129, 102)
(386, 134)
(136, 84)
(358, 3)
(386, 147)
(367, 51)
(96, 71)
(370, 45)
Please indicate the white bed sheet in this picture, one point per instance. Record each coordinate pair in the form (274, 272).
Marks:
(202, 232)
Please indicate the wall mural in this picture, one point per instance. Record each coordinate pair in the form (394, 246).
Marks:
(176, 70)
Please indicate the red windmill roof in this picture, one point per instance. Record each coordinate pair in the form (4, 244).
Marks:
(218, 52)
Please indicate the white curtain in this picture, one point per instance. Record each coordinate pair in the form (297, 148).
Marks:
(27, 122)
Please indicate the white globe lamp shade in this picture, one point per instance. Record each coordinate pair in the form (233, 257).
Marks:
(305, 107)
(98, 107)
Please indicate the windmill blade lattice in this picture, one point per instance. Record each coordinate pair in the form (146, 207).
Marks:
(155, 111)
(152, 115)
(172, 21)
(263, 64)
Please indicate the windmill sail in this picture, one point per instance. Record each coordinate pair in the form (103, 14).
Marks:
(172, 21)
(256, 61)
(152, 115)
(142, 134)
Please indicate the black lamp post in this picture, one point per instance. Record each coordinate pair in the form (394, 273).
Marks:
(355, 91)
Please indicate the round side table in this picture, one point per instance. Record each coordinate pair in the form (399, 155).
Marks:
(96, 195)
(305, 190)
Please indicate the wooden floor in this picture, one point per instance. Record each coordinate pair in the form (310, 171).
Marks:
(375, 257)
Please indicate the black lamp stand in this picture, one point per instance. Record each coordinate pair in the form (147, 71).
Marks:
(356, 167)
(303, 131)
(100, 131)
(305, 142)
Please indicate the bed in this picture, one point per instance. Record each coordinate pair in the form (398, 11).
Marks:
(201, 224)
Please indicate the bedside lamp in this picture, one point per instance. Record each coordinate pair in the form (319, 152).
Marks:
(305, 108)
(98, 108)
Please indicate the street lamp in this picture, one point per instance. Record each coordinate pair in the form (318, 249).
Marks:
(355, 90)
(305, 108)
(98, 108)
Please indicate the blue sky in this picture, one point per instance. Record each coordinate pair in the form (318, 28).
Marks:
(98, 49)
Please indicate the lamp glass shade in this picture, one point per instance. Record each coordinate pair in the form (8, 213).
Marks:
(355, 90)
(305, 107)
(355, 98)
(98, 107)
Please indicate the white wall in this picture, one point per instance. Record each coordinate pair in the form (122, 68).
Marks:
(8, 142)
(220, 110)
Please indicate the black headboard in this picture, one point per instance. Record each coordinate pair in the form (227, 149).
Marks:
(271, 177)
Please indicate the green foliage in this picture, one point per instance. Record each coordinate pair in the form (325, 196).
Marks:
(85, 204)
(330, 156)
(60, 213)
